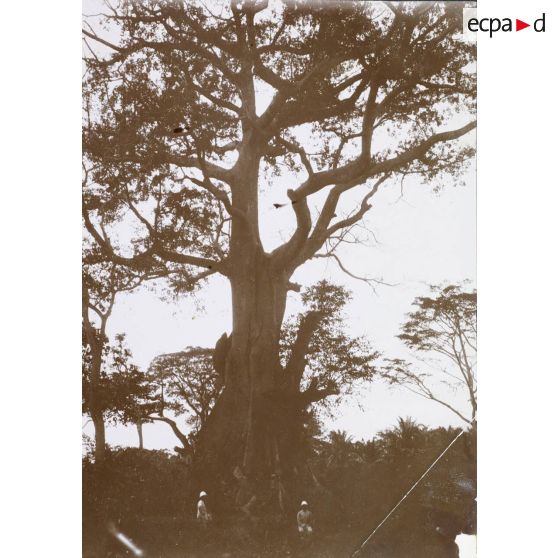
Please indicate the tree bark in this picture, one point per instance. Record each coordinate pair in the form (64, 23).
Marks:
(139, 426)
(100, 438)
(254, 432)
(241, 425)
(95, 342)
(95, 409)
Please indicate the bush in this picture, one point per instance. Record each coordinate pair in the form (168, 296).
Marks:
(351, 486)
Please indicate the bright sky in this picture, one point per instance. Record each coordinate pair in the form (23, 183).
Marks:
(421, 238)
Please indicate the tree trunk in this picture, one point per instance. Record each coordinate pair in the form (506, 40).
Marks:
(100, 439)
(139, 426)
(253, 437)
(95, 342)
(95, 408)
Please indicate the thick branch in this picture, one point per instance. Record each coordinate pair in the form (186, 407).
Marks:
(215, 100)
(211, 169)
(359, 170)
(314, 394)
(145, 259)
(322, 231)
(297, 362)
(177, 432)
(292, 247)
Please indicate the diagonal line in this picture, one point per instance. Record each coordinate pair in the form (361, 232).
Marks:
(367, 540)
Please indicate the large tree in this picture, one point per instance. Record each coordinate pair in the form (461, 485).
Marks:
(191, 112)
(187, 384)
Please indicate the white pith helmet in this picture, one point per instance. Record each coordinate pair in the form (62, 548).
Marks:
(203, 493)
(303, 503)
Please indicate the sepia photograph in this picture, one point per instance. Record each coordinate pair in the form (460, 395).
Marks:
(279, 299)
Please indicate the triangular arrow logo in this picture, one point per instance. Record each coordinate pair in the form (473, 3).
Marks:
(519, 25)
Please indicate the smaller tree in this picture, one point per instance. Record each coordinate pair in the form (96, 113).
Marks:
(182, 384)
(404, 439)
(444, 326)
(121, 387)
(341, 450)
(102, 282)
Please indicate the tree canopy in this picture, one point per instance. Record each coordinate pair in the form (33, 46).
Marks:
(443, 325)
(182, 384)
(193, 114)
(121, 387)
(174, 120)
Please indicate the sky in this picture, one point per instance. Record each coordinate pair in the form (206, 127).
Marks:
(421, 236)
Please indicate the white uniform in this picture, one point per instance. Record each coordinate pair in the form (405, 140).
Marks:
(304, 520)
(203, 516)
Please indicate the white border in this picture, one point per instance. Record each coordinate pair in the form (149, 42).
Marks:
(40, 232)
(517, 236)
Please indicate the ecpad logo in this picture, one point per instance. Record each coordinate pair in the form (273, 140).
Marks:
(494, 24)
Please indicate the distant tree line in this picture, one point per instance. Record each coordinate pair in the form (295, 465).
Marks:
(355, 484)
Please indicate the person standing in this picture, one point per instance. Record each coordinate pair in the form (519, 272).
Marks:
(202, 513)
(304, 520)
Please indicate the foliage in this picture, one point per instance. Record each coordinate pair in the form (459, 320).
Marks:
(334, 359)
(88, 447)
(356, 484)
(181, 139)
(444, 325)
(133, 488)
(446, 318)
(184, 383)
(122, 387)
(189, 114)
(171, 126)
(366, 479)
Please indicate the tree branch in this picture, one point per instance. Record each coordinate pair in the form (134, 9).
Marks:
(313, 393)
(288, 251)
(145, 259)
(297, 361)
(368, 280)
(299, 150)
(322, 231)
(177, 432)
(357, 171)
(103, 41)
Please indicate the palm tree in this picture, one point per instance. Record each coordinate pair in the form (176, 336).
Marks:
(406, 438)
(341, 450)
